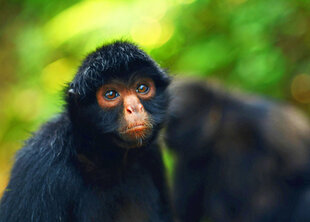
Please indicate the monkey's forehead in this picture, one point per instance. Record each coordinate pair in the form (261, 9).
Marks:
(87, 83)
(127, 81)
(133, 75)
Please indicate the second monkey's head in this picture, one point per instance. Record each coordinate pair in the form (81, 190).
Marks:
(119, 93)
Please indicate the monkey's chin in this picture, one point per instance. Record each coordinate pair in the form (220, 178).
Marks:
(134, 137)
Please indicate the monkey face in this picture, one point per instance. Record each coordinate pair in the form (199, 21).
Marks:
(118, 97)
(135, 124)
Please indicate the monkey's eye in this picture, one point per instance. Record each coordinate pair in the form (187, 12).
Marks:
(143, 89)
(111, 94)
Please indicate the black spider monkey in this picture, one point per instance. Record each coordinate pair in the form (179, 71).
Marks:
(99, 159)
(239, 157)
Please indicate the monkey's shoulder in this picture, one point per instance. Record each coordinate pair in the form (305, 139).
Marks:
(49, 143)
(56, 129)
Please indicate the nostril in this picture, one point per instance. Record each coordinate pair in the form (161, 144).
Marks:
(129, 109)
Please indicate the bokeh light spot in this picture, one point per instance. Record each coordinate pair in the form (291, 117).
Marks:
(185, 1)
(56, 74)
(151, 9)
(167, 30)
(26, 104)
(146, 33)
(79, 18)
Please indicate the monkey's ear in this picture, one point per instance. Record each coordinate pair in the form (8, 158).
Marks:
(71, 92)
(71, 96)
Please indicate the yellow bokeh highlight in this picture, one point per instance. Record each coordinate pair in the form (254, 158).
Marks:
(300, 88)
(57, 74)
(151, 9)
(82, 17)
(26, 104)
(167, 30)
(185, 1)
(4, 176)
(146, 33)
(110, 19)
(151, 33)
(6, 161)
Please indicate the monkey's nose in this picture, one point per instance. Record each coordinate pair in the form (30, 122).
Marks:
(132, 109)
(132, 104)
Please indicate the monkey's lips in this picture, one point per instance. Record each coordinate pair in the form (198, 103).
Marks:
(138, 131)
(135, 129)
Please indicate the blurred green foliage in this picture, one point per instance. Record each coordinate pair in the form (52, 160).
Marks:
(261, 46)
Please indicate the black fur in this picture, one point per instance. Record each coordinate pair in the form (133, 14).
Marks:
(73, 170)
(240, 158)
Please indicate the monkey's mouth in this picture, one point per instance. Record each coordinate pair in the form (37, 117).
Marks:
(136, 133)
(139, 131)
(136, 128)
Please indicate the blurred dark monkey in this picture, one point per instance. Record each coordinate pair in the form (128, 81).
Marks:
(239, 158)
